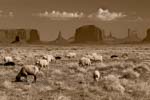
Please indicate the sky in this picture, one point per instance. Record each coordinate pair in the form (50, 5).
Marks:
(52, 16)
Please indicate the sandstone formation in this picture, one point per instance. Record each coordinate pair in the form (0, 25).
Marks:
(19, 35)
(147, 38)
(110, 39)
(59, 40)
(88, 33)
(132, 37)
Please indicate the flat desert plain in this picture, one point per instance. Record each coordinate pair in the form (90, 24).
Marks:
(125, 77)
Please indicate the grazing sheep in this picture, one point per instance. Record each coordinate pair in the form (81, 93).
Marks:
(113, 56)
(42, 63)
(8, 59)
(89, 56)
(71, 55)
(94, 57)
(57, 57)
(84, 61)
(98, 58)
(49, 58)
(124, 55)
(27, 70)
(9, 64)
(96, 75)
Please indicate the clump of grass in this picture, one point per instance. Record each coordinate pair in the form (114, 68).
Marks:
(81, 69)
(60, 97)
(101, 66)
(128, 65)
(7, 84)
(139, 90)
(130, 74)
(72, 65)
(57, 71)
(45, 88)
(26, 87)
(112, 83)
(142, 67)
(4, 97)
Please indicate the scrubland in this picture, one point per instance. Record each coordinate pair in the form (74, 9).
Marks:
(121, 79)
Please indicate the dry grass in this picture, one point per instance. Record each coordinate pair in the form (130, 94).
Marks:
(122, 79)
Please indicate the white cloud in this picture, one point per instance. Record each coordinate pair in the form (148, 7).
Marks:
(106, 15)
(11, 14)
(57, 15)
(134, 19)
(6, 14)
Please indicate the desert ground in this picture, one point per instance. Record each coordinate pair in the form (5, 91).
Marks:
(122, 79)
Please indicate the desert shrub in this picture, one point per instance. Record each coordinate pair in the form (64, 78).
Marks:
(57, 71)
(128, 65)
(142, 67)
(112, 83)
(101, 66)
(72, 65)
(130, 74)
(7, 84)
(60, 97)
(139, 90)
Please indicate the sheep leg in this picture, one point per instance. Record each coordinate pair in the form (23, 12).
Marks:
(24, 74)
(26, 79)
(34, 79)
(18, 77)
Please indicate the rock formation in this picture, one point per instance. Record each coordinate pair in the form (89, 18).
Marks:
(88, 33)
(34, 36)
(110, 39)
(19, 35)
(147, 38)
(132, 37)
(59, 39)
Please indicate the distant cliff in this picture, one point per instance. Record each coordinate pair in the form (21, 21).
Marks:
(19, 35)
(147, 38)
(59, 40)
(88, 33)
(132, 37)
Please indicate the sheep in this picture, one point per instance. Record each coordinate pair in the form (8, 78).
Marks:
(49, 58)
(42, 63)
(8, 59)
(96, 75)
(113, 56)
(9, 64)
(84, 61)
(27, 70)
(71, 55)
(98, 58)
(94, 57)
(124, 55)
(58, 57)
(89, 56)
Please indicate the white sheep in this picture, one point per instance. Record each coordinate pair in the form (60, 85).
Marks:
(71, 55)
(49, 58)
(27, 70)
(94, 57)
(8, 59)
(98, 58)
(96, 75)
(84, 61)
(42, 63)
(89, 56)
